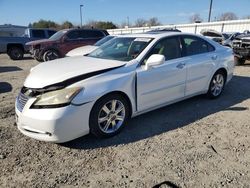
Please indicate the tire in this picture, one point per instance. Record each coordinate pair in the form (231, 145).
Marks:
(106, 121)
(38, 59)
(50, 55)
(216, 85)
(15, 53)
(239, 61)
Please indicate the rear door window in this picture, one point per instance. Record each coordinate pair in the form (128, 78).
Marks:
(194, 45)
(38, 34)
(85, 34)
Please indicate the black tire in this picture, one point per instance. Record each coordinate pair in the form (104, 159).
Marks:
(239, 61)
(15, 53)
(38, 59)
(97, 111)
(50, 55)
(212, 94)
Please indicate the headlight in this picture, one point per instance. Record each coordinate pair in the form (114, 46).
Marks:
(56, 98)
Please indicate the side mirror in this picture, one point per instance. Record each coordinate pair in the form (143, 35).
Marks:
(155, 60)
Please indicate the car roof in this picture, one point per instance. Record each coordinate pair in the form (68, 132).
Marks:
(155, 35)
(84, 29)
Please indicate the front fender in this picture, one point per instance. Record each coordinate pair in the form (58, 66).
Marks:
(99, 86)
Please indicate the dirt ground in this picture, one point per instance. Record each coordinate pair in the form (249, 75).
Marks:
(194, 143)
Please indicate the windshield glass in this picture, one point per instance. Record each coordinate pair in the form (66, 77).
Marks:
(225, 36)
(121, 48)
(58, 35)
(103, 40)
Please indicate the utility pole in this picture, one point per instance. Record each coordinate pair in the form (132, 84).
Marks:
(81, 14)
(210, 10)
(127, 21)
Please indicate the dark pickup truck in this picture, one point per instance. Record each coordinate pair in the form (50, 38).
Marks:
(63, 41)
(241, 48)
(15, 46)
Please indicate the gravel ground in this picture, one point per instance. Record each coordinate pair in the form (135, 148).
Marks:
(194, 143)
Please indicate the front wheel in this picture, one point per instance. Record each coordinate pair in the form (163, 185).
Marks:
(109, 115)
(216, 85)
(50, 55)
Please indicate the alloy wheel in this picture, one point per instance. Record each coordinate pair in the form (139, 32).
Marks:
(217, 84)
(111, 116)
(50, 55)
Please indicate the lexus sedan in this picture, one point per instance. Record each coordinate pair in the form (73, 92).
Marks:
(129, 75)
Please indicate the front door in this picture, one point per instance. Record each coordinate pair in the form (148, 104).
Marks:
(163, 83)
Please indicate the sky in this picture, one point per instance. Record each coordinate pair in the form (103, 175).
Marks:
(23, 12)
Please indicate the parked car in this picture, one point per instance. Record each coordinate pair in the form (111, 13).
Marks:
(228, 39)
(212, 34)
(83, 50)
(168, 29)
(241, 48)
(15, 46)
(58, 45)
(127, 76)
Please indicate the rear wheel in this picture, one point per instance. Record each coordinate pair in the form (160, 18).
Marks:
(50, 55)
(239, 61)
(216, 85)
(15, 53)
(109, 115)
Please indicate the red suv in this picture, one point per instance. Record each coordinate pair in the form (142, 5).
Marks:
(63, 41)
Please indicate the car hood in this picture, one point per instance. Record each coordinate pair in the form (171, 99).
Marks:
(242, 39)
(42, 41)
(65, 70)
(210, 33)
(81, 51)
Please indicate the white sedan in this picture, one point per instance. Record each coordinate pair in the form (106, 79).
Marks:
(129, 75)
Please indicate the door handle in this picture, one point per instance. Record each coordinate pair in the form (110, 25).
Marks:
(181, 65)
(214, 57)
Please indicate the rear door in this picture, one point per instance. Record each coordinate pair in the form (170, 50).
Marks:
(202, 58)
(165, 82)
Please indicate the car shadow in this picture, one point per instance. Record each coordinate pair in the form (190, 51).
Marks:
(5, 87)
(172, 117)
(9, 69)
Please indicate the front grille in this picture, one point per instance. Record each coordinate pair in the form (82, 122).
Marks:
(21, 101)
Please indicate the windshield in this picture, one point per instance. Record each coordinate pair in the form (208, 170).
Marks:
(225, 36)
(58, 35)
(121, 48)
(103, 40)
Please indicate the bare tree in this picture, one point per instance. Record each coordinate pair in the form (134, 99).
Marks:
(247, 17)
(140, 22)
(154, 22)
(195, 18)
(228, 16)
